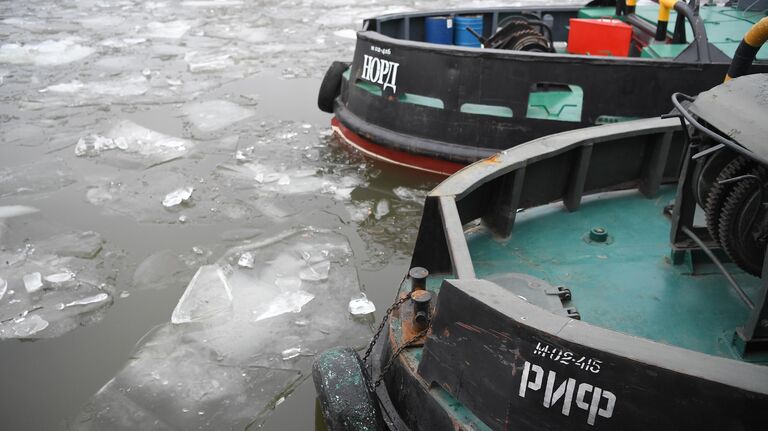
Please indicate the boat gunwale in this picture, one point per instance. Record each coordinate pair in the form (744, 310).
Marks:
(555, 57)
(727, 371)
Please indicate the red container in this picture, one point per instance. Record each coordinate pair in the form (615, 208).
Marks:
(599, 37)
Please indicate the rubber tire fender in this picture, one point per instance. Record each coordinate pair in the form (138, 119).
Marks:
(330, 88)
(343, 389)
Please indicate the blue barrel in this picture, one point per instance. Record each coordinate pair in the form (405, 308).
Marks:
(461, 36)
(438, 29)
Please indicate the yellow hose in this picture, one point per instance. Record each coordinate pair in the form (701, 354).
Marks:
(747, 50)
(665, 6)
(758, 34)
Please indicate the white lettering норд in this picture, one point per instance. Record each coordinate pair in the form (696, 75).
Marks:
(379, 71)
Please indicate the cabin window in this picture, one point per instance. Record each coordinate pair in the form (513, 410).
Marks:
(491, 110)
(416, 99)
(555, 101)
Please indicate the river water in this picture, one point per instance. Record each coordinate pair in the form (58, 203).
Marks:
(179, 233)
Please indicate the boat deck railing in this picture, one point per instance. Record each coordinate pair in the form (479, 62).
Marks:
(562, 167)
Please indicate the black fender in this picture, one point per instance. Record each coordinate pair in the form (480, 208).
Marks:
(344, 391)
(331, 86)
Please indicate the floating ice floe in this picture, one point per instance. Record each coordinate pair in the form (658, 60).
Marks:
(164, 269)
(211, 3)
(9, 211)
(215, 114)
(33, 282)
(346, 34)
(37, 177)
(207, 295)
(178, 196)
(382, 209)
(268, 179)
(361, 305)
(46, 53)
(52, 286)
(245, 260)
(410, 195)
(167, 30)
(101, 21)
(240, 32)
(134, 85)
(236, 367)
(291, 353)
(133, 139)
(200, 63)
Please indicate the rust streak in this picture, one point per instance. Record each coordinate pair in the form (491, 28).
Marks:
(470, 327)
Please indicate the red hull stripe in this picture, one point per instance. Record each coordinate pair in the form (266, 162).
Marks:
(396, 157)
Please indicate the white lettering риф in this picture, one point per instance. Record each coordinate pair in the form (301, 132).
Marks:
(380, 72)
(588, 397)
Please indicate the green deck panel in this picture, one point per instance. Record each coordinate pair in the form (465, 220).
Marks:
(490, 110)
(597, 12)
(663, 50)
(556, 105)
(347, 73)
(729, 48)
(751, 16)
(628, 286)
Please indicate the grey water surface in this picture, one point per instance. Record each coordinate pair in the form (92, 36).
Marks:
(179, 232)
(145, 142)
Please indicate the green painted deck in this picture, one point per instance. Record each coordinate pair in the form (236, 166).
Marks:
(725, 26)
(629, 285)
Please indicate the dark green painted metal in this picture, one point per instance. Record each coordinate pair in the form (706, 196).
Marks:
(628, 285)
(556, 105)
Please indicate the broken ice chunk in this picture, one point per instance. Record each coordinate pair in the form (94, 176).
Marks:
(215, 114)
(91, 145)
(89, 300)
(288, 302)
(3, 287)
(59, 279)
(207, 295)
(207, 63)
(382, 209)
(316, 272)
(167, 30)
(246, 260)
(413, 195)
(85, 245)
(288, 283)
(16, 211)
(46, 53)
(177, 196)
(361, 305)
(23, 327)
(291, 353)
(33, 282)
